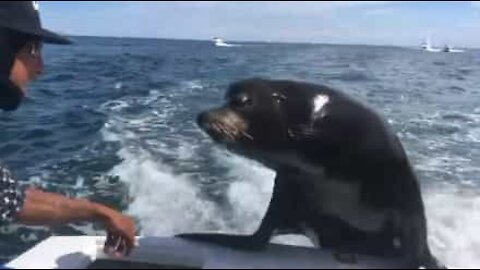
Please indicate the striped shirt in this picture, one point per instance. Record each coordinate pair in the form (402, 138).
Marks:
(11, 196)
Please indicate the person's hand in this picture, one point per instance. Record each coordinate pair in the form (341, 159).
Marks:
(48, 209)
(120, 234)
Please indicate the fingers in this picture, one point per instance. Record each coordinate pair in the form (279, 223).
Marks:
(127, 245)
(129, 239)
(120, 234)
(121, 248)
(117, 246)
(110, 247)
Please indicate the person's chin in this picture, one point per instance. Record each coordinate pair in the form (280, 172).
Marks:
(21, 87)
(24, 91)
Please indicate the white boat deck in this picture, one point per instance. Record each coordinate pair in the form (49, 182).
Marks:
(79, 252)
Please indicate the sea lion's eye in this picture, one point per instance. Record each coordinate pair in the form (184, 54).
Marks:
(279, 98)
(241, 101)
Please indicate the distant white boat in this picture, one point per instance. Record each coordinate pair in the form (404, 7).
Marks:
(220, 43)
(449, 49)
(427, 46)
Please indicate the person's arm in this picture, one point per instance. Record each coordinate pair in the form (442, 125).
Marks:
(44, 208)
(35, 207)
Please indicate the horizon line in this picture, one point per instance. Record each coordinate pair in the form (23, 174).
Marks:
(258, 41)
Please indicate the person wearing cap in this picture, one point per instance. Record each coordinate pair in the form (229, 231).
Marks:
(21, 39)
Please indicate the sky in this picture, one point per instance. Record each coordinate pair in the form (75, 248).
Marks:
(350, 22)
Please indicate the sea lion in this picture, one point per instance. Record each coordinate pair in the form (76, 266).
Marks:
(343, 177)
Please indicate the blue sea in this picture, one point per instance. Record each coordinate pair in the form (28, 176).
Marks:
(113, 120)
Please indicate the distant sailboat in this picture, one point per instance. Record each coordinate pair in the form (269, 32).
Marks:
(220, 43)
(427, 46)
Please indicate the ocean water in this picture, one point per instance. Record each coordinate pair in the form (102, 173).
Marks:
(113, 120)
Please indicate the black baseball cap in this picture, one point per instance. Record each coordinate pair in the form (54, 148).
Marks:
(24, 17)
